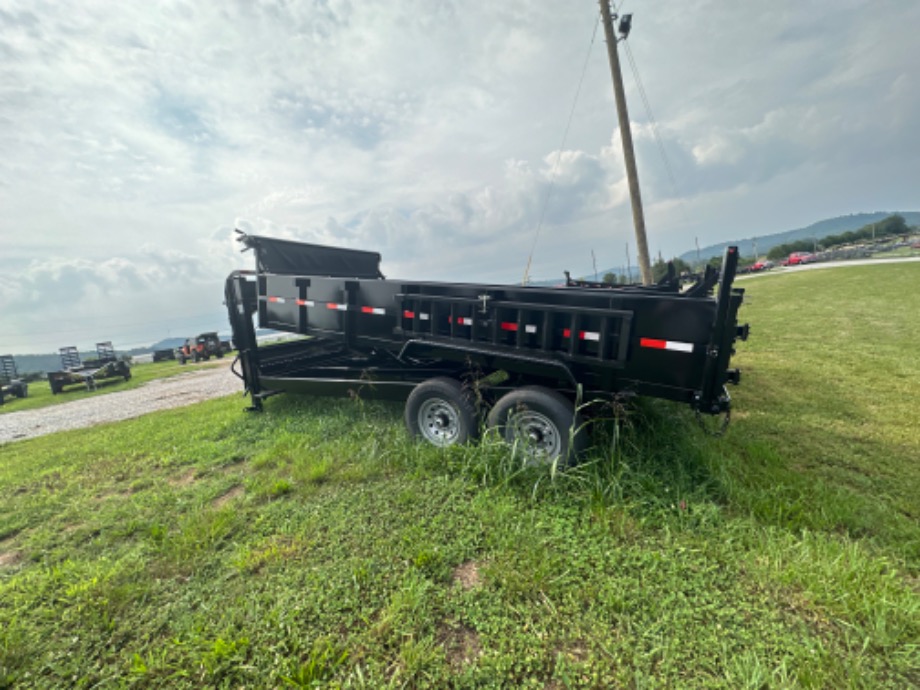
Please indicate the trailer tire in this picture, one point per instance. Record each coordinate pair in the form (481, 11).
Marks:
(541, 423)
(442, 412)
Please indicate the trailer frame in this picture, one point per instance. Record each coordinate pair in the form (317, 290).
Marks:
(10, 383)
(86, 373)
(362, 334)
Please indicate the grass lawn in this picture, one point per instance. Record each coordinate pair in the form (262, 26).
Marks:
(315, 546)
(40, 394)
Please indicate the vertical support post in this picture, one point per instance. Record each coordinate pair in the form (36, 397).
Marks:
(629, 156)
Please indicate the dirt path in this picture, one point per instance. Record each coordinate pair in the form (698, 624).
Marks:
(177, 391)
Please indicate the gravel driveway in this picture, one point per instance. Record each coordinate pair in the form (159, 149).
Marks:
(160, 394)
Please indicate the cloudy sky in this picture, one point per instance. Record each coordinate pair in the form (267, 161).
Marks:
(135, 136)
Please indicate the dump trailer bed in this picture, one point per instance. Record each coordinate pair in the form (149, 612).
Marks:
(87, 373)
(377, 337)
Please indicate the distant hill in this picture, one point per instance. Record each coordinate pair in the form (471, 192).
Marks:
(823, 228)
(166, 344)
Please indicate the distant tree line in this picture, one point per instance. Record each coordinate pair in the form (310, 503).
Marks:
(891, 226)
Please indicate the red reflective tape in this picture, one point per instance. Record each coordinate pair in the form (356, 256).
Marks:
(582, 335)
(306, 302)
(373, 310)
(653, 343)
(279, 300)
(339, 307)
(672, 345)
(408, 314)
(508, 326)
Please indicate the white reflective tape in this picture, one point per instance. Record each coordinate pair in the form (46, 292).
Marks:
(424, 317)
(590, 336)
(306, 303)
(673, 345)
(678, 346)
(530, 329)
(464, 321)
(373, 310)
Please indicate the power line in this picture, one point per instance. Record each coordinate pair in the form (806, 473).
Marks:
(565, 135)
(654, 123)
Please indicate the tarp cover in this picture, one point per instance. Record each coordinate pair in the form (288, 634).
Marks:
(300, 258)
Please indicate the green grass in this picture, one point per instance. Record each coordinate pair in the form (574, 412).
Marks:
(315, 546)
(40, 394)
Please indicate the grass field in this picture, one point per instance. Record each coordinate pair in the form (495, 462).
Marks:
(40, 394)
(315, 546)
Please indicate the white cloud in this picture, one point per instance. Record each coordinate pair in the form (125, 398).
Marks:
(134, 137)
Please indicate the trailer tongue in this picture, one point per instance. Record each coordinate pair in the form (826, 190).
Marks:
(451, 350)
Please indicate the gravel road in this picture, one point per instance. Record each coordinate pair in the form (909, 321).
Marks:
(160, 394)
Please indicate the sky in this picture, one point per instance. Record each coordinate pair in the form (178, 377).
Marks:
(458, 138)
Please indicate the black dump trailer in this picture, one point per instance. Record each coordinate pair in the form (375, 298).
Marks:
(533, 357)
(74, 371)
(10, 384)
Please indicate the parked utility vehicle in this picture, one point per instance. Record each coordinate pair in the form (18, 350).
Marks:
(201, 347)
(523, 357)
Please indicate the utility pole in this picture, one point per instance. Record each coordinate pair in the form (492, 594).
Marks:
(697, 241)
(626, 135)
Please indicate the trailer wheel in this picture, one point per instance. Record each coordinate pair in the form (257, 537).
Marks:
(541, 423)
(442, 412)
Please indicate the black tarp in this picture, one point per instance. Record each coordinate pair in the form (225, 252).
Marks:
(300, 258)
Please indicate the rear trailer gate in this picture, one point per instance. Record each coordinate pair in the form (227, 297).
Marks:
(387, 336)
